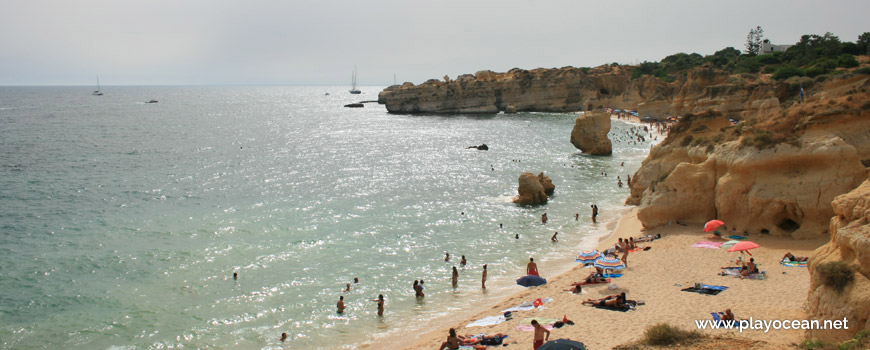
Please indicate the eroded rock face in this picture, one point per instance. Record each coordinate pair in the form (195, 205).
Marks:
(775, 173)
(783, 191)
(850, 243)
(570, 89)
(590, 134)
(533, 189)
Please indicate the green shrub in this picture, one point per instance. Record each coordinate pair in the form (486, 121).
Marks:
(815, 71)
(769, 69)
(771, 58)
(665, 334)
(699, 141)
(786, 72)
(835, 274)
(686, 141)
(865, 70)
(847, 61)
(762, 139)
(718, 138)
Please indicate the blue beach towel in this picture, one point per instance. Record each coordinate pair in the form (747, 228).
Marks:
(707, 286)
(611, 275)
(736, 237)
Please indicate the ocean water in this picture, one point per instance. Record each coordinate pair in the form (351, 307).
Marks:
(122, 223)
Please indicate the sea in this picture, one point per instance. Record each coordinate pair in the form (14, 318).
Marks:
(122, 222)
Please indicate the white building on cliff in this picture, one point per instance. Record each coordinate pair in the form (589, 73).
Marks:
(767, 47)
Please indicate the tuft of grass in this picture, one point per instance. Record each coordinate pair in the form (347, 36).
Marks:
(835, 274)
(665, 334)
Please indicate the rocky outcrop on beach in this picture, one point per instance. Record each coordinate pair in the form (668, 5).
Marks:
(850, 244)
(590, 133)
(774, 172)
(533, 189)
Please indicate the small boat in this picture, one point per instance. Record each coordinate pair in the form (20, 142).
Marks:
(152, 101)
(97, 92)
(353, 89)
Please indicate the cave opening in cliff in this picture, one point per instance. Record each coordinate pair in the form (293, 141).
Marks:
(788, 225)
(604, 92)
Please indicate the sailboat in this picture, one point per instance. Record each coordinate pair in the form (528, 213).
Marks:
(97, 92)
(353, 89)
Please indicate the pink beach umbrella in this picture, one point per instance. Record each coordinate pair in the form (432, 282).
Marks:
(743, 246)
(712, 225)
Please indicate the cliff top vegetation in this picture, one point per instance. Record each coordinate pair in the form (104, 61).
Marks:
(812, 56)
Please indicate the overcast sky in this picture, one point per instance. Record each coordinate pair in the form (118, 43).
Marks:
(295, 42)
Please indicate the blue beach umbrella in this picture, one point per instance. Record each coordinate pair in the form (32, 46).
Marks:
(531, 281)
(563, 344)
(588, 256)
(609, 263)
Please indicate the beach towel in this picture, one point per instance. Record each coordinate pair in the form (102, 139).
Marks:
(530, 305)
(736, 237)
(704, 291)
(611, 275)
(794, 263)
(487, 321)
(707, 244)
(707, 286)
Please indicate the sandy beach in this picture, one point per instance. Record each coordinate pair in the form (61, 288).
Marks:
(656, 277)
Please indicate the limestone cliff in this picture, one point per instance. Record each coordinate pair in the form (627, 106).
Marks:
(542, 90)
(590, 133)
(573, 89)
(850, 243)
(775, 172)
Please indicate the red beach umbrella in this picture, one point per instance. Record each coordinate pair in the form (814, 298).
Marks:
(743, 246)
(712, 225)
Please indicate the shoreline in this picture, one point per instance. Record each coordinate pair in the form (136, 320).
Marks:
(657, 276)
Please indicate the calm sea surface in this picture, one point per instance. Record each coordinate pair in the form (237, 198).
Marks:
(122, 223)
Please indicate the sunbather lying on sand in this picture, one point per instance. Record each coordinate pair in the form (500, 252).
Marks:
(647, 238)
(616, 300)
(576, 290)
(469, 339)
(593, 278)
(790, 257)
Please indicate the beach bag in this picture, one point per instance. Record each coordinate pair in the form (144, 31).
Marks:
(538, 302)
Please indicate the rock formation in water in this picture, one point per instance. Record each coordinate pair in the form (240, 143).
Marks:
(590, 133)
(850, 244)
(533, 189)
(774, 172)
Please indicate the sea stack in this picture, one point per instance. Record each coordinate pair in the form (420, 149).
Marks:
(590, 134)
(533, 189)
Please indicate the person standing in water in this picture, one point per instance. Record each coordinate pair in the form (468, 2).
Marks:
(380, 301)
(462, 262)
(455, 278)
(544, 218)
(446, 256)
(532, 268)
(594, 213)
(340, 305)
(554, 239)
(483, 279)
